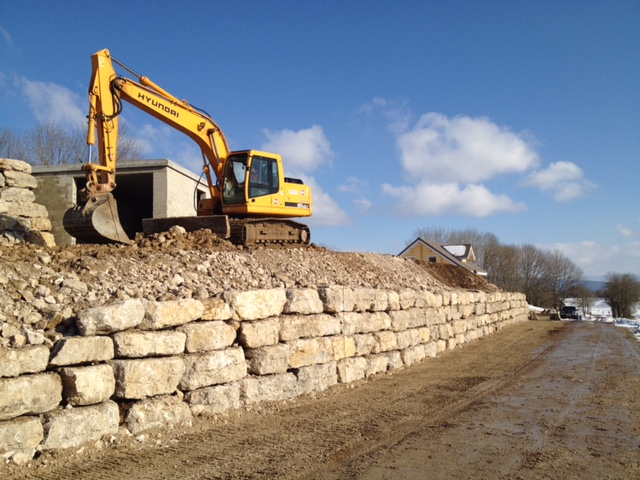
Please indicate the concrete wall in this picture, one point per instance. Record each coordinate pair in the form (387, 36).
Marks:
(145, 365)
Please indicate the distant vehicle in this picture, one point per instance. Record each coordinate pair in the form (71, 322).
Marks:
(569, 312)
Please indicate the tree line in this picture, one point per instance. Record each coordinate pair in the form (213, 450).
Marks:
(50, 144)
(546, 277)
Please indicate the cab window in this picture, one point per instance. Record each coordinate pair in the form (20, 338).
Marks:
(234, 180)
(263, 177)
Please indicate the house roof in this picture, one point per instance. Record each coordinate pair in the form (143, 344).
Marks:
(444, 252)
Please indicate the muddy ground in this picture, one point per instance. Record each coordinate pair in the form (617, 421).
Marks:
(537, 400)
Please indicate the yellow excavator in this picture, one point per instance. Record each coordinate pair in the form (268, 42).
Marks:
(250, 200)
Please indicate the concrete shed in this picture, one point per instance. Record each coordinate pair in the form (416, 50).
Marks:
(146, 189)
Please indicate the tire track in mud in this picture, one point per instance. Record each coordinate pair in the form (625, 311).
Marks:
(339, 463)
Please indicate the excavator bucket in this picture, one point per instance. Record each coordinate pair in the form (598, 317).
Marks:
(97, 222)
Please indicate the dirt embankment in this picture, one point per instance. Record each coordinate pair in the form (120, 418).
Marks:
(536, 400)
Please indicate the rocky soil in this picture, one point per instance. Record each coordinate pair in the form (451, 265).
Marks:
(43, 289)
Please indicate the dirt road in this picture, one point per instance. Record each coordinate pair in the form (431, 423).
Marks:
(538, 400)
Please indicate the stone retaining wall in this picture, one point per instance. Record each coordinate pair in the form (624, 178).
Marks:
(21, 218)
(138, 365)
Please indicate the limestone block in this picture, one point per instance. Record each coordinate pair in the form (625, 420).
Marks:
(29, 394)
(431, 349)
(42, 224)
(73, 427)
(480, 309)
(441, 346)
(429, 299)
(337, 299)
(140, 344)
(386, 341)
(370, 300)
(256, 304)
(15, 194)
(87, 385)
(316, 378)
(376, 364)
(206, 336)
(425, 334)
(353, 322)
(343, 347)
(409, 318)
(216, 309)
(459, 326)
(393, 300)
(136, 379)
(112, 318)
(303, 301)
(407, 298)
(212, 368)
(364, 343)
(9, 164)
(413, 355)
(165, 411)
(4, 207)
(161, 315)
(293, 327)
(214, 400)
(271, 388)
(42, 239)
(351, 369)
(267, 360)
(259, 334)
(395, 360)
(26, 209)
(466, 310)
(310, 351)
(19, 438)
(408, 338)
(79, 350)
(20, 179)
(25, 360)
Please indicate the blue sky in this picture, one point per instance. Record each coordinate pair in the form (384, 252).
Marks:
(517, 118)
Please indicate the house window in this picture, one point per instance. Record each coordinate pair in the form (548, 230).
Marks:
(433, 259)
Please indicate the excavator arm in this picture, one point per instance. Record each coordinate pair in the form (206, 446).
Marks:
(98, 219)
(106, 93)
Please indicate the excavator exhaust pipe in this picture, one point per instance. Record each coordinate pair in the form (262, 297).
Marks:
(97, 222)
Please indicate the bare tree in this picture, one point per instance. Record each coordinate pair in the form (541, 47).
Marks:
(10, 144)
(562, 276)
(585, 297)
(501, 263)
(532, 271)
(622, 293)
(50, 144)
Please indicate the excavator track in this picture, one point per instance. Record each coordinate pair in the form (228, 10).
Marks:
(268, 231)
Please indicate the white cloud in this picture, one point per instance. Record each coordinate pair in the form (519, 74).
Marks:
(563, 180)
(445, 159)
(624, 231)
(52, 103)
(596, 259)
(448, 198)
(363, 205)
(6, 36)
(304, 150)
(462, 149)
(353, 185)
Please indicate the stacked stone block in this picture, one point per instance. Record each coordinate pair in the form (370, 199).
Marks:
(144, 365)
(21, 218)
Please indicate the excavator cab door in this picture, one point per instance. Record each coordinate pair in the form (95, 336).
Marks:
(235, 177)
